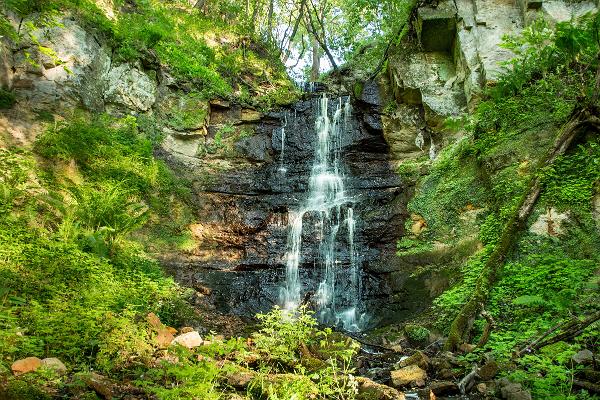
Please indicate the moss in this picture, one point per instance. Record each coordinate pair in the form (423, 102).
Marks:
(23, 390)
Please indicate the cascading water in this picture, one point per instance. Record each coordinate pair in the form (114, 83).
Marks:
(330, 207)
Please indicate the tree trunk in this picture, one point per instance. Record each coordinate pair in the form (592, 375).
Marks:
(316, 61)
(270, 21)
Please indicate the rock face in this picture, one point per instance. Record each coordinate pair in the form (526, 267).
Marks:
(82, 73)
(244, 207)
(457, 56)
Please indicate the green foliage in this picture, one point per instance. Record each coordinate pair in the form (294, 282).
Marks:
(570, 180)
(412, 246)
(72, 282)
(281, 335)
(416, 333)
(7, 98)
(451, 187)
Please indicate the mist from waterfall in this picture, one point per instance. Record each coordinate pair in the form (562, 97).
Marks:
(337, 295)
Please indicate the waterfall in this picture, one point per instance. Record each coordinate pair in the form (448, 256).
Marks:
(282, 169)
(337, 294)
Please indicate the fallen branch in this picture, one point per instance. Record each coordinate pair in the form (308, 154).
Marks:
(589, 386)
(467, 383)
(487, 329)
(569, 331)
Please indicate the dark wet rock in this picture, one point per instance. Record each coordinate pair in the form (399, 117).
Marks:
(371, 94)
(444, 388)
(243, 210)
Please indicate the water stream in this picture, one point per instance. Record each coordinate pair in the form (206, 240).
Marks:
(328, 206)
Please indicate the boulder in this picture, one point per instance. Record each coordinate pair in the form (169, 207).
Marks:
(488, 371)
(418, 358)
(240, 379)
(54, 364)
(189, 340)
(370, 390)
(101, 385)
(513, 391)
(164, 335)
(583, 357)
(444, 388)
(411, 375)
(25, 365)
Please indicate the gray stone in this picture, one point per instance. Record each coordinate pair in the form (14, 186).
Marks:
(54, 364)
(128, 86)
(513, 391)
(583, 357)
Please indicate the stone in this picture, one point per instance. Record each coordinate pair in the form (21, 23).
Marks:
(249, 115)
(164, 335)
(410, 375)
(440, 363)
(129, 87)
(418, 358)
(240, 379)
(54, 364)
(370, 94)
(397, 348)
(220, 103)
(583, 357)
(181, 146)
(481, 388)
(370, 390)
(488, 371)
(466, 347)
(419, 224)
(513, 391)
(101, 385)
(189, 340)
(444, 388)
(25, 365)
(549, 223)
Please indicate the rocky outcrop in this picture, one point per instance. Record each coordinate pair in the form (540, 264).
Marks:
(458, 54)
(80, 73)
(245, 187)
